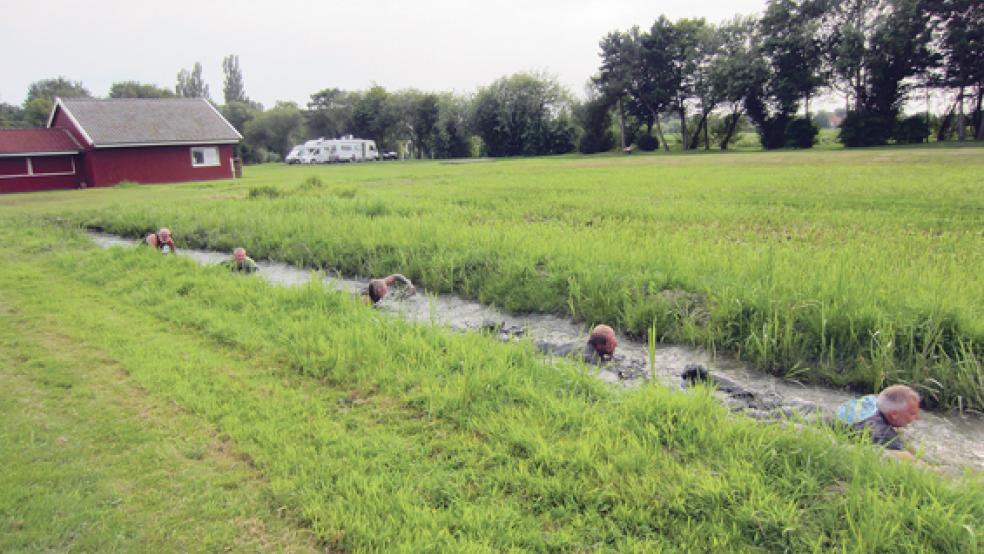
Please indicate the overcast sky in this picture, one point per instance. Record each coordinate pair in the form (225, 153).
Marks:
(288, 50)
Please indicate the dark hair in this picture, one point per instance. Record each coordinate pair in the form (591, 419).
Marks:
(373, 294)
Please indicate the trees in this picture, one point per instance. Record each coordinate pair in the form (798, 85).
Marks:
(191, 84)
(961, 42)
(233, 87)
(329, 113)
(41, 96)
(595, 119)
(733, 71)
(873, 47)
(525, 114)
(11, 116)
(276, 130)
(452, 136)
(788, 68)
(371, 114)
(133, 89)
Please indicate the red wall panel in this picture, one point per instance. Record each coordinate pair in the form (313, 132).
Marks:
(34, 182)
(152, 164)
(61, 120)
(13, 166)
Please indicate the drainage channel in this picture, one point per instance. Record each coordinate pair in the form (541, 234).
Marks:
(952, 441)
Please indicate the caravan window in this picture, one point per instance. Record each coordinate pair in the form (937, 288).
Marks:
(346, 148)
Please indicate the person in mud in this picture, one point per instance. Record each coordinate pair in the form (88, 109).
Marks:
(880, 416)
(162, 241)
(241, 262)
(379, 288)
(599, 348)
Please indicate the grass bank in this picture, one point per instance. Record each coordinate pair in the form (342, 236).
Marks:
(857, 268)
(382, 435)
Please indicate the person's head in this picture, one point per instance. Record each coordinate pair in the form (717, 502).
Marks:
(165, 233)
(376, 290)
(603, 340)
(899, 405)
(239, 254)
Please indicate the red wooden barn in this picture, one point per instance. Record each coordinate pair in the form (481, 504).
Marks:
(97, 143)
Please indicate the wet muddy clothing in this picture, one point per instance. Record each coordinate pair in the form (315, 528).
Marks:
(248, 265)
(881, 431)
(587, 353)
(164, 246)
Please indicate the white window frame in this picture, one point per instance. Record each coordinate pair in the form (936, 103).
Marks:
(206, 162)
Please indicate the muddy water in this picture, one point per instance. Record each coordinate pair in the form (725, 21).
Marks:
(952, 441)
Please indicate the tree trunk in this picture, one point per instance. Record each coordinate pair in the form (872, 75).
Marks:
(732, 125)
(701, 125)
(707, 139)
(945, 124)
(659, 131)
(979, 116)
(962, 118)
(621, 124)
(684, 138)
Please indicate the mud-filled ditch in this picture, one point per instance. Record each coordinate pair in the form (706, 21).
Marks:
(952, 441)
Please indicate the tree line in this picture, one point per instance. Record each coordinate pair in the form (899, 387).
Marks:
(686, 83)
(875, 53)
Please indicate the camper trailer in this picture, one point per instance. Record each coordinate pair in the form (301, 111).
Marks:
(350, 149)
(344, 149)
(295, 155)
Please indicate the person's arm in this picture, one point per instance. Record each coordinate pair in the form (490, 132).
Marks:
(170, 242)
(399, 278)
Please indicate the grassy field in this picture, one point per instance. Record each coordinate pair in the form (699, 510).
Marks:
(858, 268)
(152, 404)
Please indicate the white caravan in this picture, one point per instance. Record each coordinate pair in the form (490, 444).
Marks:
(350, 149)
(295, 155)
(344, 149)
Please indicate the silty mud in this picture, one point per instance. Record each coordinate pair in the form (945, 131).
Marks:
(953, 441)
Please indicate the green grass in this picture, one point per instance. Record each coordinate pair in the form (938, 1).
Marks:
(379, 435)
(859, 268)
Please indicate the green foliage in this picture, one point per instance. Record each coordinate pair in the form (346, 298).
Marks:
(41, 98)
(233, 86)
(594, 117)
(801, 133)
(866, 129)
(912, 130)
(525, 114)
(11, 116)
(133, 89)
(647, 143)
(191, 84)
(276, 130)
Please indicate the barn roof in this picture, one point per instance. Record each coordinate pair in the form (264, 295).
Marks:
(20, 142)
(147, 121)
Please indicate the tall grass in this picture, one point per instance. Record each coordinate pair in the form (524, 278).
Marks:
(388, 436)
(858, 269)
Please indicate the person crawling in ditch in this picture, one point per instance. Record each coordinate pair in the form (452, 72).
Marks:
(240, 262)
(162, 241)
(379, 288)
(600, 347)
(880, 417)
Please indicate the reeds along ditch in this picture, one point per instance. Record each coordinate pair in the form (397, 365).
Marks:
(860, 280)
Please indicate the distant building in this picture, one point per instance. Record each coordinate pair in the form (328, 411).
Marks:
(98, 143)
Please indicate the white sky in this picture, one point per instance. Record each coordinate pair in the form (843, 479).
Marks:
(289, 50)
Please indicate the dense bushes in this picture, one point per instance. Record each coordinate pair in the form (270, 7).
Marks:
(801, 133)
(647, 143)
